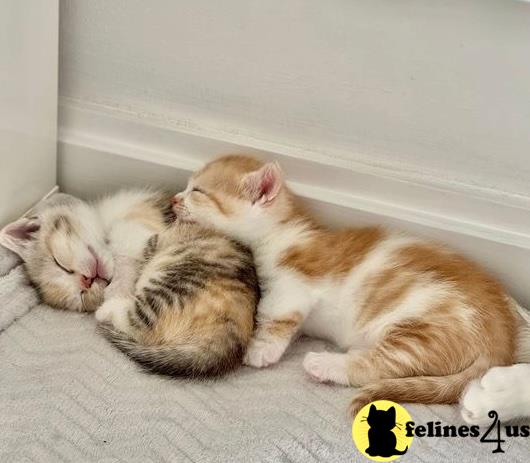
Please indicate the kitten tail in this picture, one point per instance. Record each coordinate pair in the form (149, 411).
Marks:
(188, 357)
(421, 389)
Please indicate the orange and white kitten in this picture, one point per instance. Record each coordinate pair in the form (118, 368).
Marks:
(415, 321)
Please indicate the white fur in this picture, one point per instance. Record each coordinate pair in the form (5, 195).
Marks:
(327, 367)
(332, 307)
(100, 229)
(71, 250)
(126, 239)
(125, 236)
(503, 389)
(116, 312)
(262, 353)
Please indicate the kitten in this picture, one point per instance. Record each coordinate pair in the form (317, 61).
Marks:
(180, 302)
(78, 253)
(416, 321)
(382, 440)
(192, 312)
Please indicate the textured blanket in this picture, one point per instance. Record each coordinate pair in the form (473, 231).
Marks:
(68, 396)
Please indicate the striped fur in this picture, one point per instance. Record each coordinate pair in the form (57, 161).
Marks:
(192, 314)
(415, 321)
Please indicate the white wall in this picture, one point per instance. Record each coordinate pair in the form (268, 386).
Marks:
(408, 112)
(434, 89)
(28, 103)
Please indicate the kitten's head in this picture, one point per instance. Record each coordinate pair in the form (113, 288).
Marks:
(64, 253)
(239, 195)
(382, 419)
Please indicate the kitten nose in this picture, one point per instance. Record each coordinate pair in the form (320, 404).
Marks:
(176, 200)
(86, 282)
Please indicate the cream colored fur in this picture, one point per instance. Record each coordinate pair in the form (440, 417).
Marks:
(79, 236)
(415, 321)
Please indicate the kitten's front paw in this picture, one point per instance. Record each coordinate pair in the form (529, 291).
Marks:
(500, 389)
(262, 353)
(327, 367)
(116, 312)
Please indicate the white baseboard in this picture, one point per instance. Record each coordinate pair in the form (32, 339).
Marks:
(102, 148)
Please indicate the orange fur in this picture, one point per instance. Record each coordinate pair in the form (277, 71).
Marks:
(332, 252)
(149, 213)
(428, 358)
(284, 327)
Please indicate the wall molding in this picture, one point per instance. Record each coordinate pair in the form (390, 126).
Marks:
(464, 209)
(102, 148)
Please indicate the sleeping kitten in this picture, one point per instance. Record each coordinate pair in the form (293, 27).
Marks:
(180, 302)
(192, 312)
(416, 322)
(78, 253)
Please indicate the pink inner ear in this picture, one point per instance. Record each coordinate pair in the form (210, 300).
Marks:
(23, 232)
(270, 182)
(267, 183)
(18, 235)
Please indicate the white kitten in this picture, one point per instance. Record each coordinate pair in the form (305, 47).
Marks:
(79, 253)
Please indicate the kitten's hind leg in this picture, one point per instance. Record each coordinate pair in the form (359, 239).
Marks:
(328, 367)
(411, 363)
(503, 389)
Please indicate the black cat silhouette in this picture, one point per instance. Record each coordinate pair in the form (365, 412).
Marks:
(381, 438)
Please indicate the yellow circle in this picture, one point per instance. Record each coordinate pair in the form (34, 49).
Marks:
(380, 432)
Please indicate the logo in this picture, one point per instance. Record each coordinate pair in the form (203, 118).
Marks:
(379, 431)
(383, 431)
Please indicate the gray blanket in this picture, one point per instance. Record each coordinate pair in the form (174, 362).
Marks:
(67, 395)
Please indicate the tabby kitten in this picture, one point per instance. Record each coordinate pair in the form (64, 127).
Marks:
(192, 311)
(415, 321)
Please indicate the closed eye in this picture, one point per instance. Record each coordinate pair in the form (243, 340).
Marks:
(197, 190)
(61, 267)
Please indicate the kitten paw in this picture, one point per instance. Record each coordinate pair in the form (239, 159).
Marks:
(500, 389)
(116, 312)
(263, 353)
(327, 367)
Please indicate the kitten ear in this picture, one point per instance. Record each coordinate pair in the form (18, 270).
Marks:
(372, 409)
(264, 184)
(18, 235)
(392, 411)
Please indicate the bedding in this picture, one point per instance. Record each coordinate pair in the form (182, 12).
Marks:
(67, 395)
